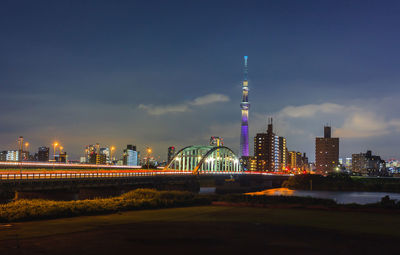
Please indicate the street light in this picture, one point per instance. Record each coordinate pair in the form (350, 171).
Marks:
(148, 156)
(55, 144)
(20, 156)
(26, 149)
(111, 153)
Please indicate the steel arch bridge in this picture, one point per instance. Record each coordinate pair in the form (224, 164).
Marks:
(205, 159)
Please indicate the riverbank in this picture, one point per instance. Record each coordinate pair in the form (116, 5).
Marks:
(141, 199)
(342, 182)
(207, 230)
(340, 197)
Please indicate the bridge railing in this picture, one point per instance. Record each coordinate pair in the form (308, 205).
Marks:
(36, 176)
(81, 175)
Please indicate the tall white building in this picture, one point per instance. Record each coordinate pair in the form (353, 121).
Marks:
(130, 156)
(13, 155)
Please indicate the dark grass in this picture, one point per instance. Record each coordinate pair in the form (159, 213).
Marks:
(208, 230)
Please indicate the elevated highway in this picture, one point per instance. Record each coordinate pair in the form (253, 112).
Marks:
(56, 166)
(191, 167)
(72, 184)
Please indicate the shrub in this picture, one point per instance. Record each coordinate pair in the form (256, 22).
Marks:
(141, 194)
(134, 200)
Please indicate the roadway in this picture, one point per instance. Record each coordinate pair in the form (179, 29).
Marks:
(15, 175)
(73, 174)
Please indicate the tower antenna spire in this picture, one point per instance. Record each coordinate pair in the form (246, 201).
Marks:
(244, 106)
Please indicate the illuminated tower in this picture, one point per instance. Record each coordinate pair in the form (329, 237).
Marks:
(244, 105)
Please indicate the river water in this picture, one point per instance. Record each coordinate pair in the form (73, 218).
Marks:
(341, 197)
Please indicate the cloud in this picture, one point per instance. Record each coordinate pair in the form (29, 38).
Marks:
(395, 123)
(310, 110)
(184, 107)
(351, 120)
(361, 124)
(159, 110)
(210, 99)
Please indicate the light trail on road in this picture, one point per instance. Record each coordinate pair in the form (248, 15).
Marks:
(97, 174)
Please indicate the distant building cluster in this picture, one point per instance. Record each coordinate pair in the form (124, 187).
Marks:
(22, 153)
(393, 166)
(368, 164)
(363, 164)
(272, 155)
(93, 154)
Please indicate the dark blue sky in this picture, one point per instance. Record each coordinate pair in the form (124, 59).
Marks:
(119, 72)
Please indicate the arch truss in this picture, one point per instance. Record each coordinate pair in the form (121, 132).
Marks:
(205, 159)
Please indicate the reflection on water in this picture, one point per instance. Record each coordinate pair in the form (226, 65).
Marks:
(274, 192)
(207, 190)
(341, 197)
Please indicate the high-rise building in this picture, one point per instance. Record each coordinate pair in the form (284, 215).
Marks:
(82, 160)
(306, 165)
(348, 163)
(326, 152)
(282, 153)
(270, 150)
(252, 164)
(13, 155)
(368, 164)
(298, 162)
(21, 144)
(294, 160)
(171, 153)
(62, 157)
(25, 155)
(131, 147)
(261, 151)
(244, 105)
(130, 156)
(90, 153)
(216, 141)
(43, 154)
(101, 159)
(96, 155)
(3, 156)
(106, 152)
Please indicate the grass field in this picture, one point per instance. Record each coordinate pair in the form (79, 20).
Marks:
(208, 230)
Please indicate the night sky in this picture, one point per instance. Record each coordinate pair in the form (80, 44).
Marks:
(168, 73)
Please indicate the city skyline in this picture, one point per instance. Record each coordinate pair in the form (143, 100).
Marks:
(80, 77)
(201, 127)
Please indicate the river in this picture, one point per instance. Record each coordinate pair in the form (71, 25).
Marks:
(341, 197)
